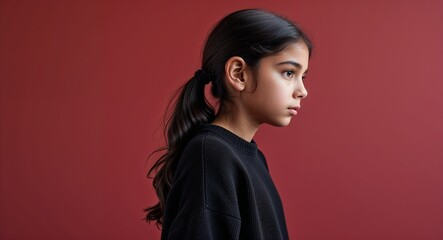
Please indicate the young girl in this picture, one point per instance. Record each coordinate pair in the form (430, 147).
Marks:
(212, 181)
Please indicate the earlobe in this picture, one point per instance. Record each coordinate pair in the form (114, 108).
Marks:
(235, 73)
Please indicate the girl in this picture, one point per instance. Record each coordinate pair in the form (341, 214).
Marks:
(212, 181)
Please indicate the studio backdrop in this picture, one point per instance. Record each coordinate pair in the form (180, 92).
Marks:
(84, 86)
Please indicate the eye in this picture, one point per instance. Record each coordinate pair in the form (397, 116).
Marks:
(303, 77)
(288, 74)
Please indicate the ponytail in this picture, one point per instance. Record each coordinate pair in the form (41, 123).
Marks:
(191, 111)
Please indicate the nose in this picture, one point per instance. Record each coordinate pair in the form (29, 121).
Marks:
(300, 90)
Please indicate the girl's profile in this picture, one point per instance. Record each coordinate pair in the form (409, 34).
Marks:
(212, 180)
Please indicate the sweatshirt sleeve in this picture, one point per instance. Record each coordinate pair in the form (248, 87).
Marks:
(202, 203)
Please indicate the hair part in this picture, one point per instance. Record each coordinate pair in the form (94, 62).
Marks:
(251, 34)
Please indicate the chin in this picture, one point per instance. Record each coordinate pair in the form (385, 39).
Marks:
(281, 123)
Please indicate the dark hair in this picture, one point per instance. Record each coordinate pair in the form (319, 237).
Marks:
(250, 34)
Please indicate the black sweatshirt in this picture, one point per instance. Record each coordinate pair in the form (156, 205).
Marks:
(222, 190)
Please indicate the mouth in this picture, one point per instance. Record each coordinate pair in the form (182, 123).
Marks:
(293, 110)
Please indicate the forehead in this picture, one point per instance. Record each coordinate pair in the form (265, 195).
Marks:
(296, 52)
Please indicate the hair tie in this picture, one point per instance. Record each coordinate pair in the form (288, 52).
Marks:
(202, 76)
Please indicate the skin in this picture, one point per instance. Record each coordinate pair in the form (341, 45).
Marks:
(279, 88)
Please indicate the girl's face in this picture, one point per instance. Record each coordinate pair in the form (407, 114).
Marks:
(280, 86)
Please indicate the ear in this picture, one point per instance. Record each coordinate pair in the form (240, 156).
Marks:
(236, 73)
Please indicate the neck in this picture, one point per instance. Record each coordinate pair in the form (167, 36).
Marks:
(236, 123)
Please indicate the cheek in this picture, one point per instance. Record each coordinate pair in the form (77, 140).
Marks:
(276, 85)
(275, 92)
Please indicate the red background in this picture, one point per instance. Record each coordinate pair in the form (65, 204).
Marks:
(84, 85)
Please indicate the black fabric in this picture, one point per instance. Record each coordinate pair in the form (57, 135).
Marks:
(222, 190)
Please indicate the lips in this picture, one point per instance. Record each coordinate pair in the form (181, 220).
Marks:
(293, 110)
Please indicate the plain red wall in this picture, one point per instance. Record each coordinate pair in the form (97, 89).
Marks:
(84, 85)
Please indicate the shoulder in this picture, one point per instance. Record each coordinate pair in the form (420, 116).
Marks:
(209, 150)
(213, 165)
(210, 141)
(208, 157)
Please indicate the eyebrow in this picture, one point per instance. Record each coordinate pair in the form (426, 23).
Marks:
(293, 63)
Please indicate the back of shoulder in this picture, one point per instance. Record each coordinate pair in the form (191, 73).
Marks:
(207, 141)
(209, 148)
